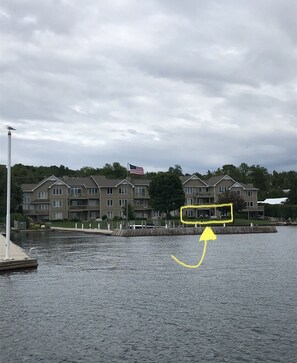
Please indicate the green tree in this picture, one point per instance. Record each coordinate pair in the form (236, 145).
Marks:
(116, 170)
(16, 193)
(87, 171)
(231, 170)
(292, 195)
(232, 197)
(166, 192)
(2, 191)
(130, 210)
(260, 178)
(177, 169)
(244, 172)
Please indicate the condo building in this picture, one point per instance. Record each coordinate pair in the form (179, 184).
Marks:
(90, 198)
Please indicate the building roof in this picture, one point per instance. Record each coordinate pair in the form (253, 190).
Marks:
(244, 186)
(80, 181)
(28, 187)
(102, 181)
(274, 201)
(186, 178)
(140, 182)
(214, 180)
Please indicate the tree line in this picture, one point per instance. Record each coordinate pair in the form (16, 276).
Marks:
(269, 184)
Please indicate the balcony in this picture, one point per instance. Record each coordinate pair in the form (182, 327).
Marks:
(79, 207)
(141, 207)
(39, 201)
(36, 212)
(79, 195)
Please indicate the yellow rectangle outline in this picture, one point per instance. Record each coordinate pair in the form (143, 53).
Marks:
(207, 206)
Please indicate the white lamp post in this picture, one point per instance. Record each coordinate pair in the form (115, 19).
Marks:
(7, 244)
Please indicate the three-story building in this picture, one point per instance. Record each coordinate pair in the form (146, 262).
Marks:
(89, 198)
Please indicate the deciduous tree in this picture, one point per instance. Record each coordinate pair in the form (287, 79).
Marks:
(166, 192)
(232, 197)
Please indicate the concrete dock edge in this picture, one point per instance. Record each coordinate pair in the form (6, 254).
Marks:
(18, 259)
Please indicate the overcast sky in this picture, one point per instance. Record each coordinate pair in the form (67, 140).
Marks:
(153, 83)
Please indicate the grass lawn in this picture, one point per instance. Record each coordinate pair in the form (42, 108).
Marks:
(247, 222)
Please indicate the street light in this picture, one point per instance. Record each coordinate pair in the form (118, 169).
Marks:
(7, 243)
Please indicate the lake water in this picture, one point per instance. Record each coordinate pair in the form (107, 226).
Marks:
(111, 299)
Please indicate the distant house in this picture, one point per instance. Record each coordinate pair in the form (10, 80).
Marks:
(198, 192)
(89, 198)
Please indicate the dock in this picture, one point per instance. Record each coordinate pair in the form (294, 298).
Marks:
(19, 259)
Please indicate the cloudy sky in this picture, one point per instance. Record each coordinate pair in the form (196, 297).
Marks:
(152, 83)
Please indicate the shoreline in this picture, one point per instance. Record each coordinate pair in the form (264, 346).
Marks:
(162, 231)
(192, 231)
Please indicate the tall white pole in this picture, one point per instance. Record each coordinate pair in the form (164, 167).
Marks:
(7, 244)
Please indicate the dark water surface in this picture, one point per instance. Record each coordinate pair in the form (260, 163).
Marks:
(112, 299)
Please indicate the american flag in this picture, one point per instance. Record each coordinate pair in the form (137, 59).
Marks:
(138, 170)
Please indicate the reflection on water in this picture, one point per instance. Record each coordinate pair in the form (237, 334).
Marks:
(111, 299)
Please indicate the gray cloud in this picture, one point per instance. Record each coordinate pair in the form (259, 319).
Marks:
(155, 83)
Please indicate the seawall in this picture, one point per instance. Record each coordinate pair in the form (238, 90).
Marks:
(83, 230)
(191, 231)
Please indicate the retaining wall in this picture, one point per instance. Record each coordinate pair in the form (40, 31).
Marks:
(191, 231)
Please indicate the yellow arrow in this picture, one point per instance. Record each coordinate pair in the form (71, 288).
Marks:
(207, 235)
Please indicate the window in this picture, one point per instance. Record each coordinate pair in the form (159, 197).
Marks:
(123, 190)
(139, 192)
(122, 202)
(249, 193)
(42, 195)
(57, 215)
(109, 202)
(75, 190)
(109, 191)
(57, 203)
(222, 189)
(250, 204)
(188, 190)
(189, 201)
(93, 191)
(109, 215)
(94, 215)
(26, 199)
(42, 207)
(189, 213)
(93, 202)
(57, 191)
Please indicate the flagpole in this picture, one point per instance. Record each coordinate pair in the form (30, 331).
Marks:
(127, 209)
(7, 241)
